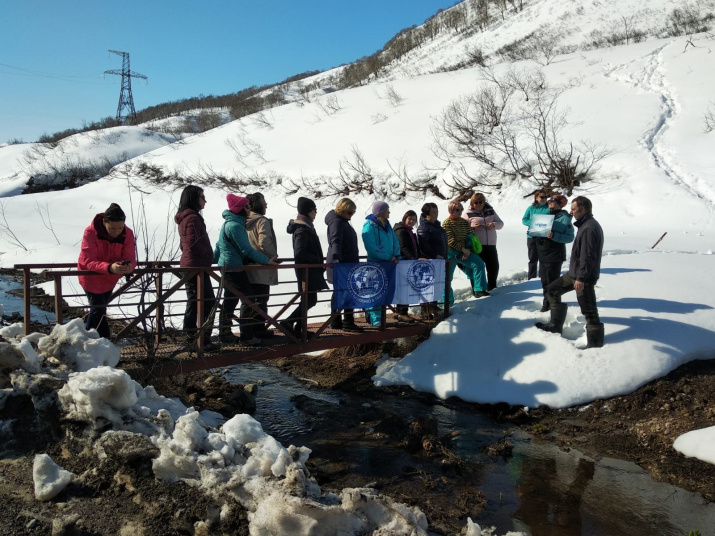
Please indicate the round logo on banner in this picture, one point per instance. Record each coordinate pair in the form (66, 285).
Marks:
(421, 275)
(368, 282)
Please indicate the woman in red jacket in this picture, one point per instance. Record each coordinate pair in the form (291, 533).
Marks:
(107, 249)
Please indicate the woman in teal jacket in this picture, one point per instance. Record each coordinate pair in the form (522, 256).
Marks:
(379, 238)
(232, 250)
(381, 244)
(539, 206)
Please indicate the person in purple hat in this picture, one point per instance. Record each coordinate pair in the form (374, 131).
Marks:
(232, 251)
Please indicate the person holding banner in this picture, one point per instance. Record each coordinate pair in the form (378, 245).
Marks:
(409, 250)
(458, 233)
(306, 250)
(552, 247)
(380, 243)
(485, 223)
(539, 206)
(432, 242)
(342, 247)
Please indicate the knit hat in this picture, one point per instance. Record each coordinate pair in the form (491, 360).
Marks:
(305, 206)
(236, 203)
(378, 207)
(560, 199)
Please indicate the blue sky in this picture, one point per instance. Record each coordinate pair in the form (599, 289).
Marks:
(52, 52)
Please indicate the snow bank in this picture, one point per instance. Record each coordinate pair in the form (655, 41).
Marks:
(698, 444)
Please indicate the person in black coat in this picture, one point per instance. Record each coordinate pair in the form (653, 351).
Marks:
(306, 250)
(432, 243)
(584, 272)
(409, 250)
(342, 247)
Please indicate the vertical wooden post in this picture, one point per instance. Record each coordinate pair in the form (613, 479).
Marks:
(26, 299)
(58, 298)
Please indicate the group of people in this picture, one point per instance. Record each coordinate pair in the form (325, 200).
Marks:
(549, 253)
(247, 236)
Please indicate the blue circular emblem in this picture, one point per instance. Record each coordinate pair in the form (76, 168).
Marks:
(367, 282)
(421, 276)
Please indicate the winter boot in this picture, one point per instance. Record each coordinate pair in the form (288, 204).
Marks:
(594, 335)
(558, 317)
(545, 306)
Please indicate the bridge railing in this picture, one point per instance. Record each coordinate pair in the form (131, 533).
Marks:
(151, 290)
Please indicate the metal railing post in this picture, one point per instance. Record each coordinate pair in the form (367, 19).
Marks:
(158, 282)
(26, 299)
(58, 298)
(200, 308)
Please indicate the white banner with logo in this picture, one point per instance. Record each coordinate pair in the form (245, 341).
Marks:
(419, 281)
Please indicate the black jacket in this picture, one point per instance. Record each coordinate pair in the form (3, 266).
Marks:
(585, 265)
(342, 241)
(307, 250)
(409, 250)
(432, 239)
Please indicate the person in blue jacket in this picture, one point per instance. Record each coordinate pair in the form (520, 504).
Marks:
(381, 244)
(551, 249)
(233, 249)
(539, 206)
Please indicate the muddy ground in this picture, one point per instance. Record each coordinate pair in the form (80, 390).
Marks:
(416, 465)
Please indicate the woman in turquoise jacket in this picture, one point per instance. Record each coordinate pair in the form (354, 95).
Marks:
(381, 244)
(233, 249)
(379, 238)
(539, 206)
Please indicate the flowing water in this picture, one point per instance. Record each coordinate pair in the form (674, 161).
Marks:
(540, 490)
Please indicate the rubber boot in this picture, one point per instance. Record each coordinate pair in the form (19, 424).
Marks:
(558, 317)
(594, 335)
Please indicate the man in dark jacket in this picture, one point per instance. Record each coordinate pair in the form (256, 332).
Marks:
(584, 271)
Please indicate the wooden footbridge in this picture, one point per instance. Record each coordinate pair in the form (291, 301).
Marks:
(145, 301)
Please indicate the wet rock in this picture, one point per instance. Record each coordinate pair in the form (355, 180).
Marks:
(125, 447)
(244, 399)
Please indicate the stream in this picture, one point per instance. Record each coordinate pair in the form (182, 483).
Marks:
(539, 490)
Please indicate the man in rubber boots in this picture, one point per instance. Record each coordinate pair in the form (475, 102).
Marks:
(584, 271)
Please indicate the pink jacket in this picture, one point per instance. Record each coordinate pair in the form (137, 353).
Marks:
(487, 215)
(99, 251)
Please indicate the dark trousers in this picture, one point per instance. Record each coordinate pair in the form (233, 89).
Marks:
(586, 298)
(261, 294)
(348, 314)
(297, 315)
(192, 306)
(549, 272)
(97, 317)
(247, 320)
(491, 261)
(533, 258)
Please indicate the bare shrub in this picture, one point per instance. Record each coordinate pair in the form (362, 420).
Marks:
(511, 128)
(7, 231)
(710, 118)
(688, 19)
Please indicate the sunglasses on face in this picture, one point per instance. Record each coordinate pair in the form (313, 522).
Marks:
(542, 197)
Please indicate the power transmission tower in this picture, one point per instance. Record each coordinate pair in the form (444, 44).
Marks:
(125, 108)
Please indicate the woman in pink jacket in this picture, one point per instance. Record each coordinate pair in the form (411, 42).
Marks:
(485, 223)
(107, 249)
